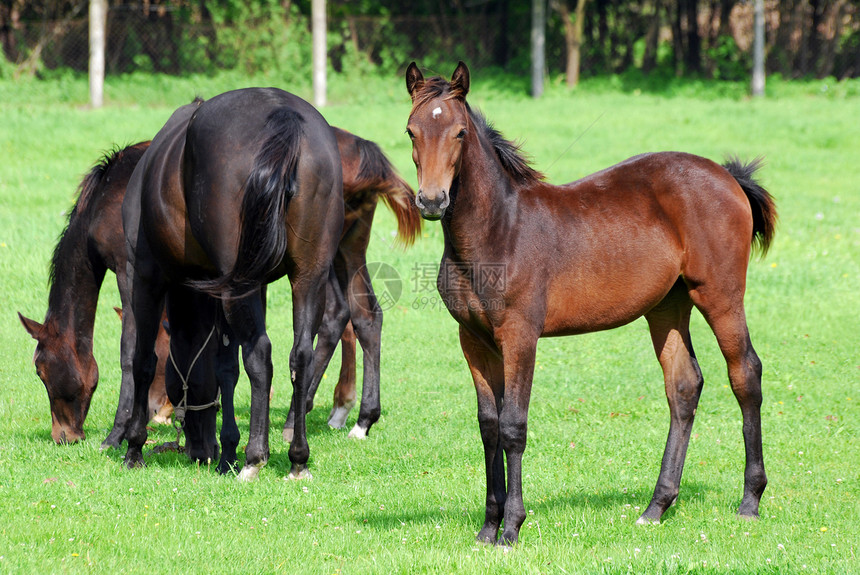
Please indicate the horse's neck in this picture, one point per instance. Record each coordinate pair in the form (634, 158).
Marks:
(75, 284)
(484, 207)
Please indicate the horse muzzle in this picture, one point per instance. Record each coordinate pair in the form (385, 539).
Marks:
(432, 206)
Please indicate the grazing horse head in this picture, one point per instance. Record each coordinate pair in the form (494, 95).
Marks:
(437, 126)
(70, 379)
(64, 352)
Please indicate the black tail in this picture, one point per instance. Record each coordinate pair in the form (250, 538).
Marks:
(376, 172)
(762, 204)
(263, 235)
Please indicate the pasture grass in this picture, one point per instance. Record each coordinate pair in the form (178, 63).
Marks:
(410, 497)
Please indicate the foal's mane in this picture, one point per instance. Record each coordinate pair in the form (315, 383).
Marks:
(80, 211)
(509, 153)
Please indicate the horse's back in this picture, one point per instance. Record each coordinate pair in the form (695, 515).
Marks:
(645, 222)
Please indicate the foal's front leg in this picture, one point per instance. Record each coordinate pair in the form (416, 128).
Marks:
(485, 364)
(518, 343)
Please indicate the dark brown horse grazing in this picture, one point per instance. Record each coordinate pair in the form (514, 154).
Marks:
(93, 242)
(654, 235)
(234, 194)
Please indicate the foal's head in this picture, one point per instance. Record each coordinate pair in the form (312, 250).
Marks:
(437, 126)
(70, 377)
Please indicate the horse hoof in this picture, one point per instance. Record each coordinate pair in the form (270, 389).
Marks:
(299, 472)
(337, 418)
(357, 432)
(647, 521)
(161, 420)
(112, 441)
(134, 461)
(747, 517)
(288, 435)
(249, 473)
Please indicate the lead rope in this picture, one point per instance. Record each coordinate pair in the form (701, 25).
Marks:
(180, 410)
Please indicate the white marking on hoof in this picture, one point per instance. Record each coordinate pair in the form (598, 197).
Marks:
(437, 112)
(288, 434)
(357, 432)
(301, 475)
(249, 472)
(339, 413)
(161, 420)
(645, 521)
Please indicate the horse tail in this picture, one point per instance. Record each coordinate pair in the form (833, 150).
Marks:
(267, 191)
(762, 204)
(376, 172)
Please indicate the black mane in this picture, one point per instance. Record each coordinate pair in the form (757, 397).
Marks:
(510, 154)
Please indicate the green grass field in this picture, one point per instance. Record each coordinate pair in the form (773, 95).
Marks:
(409, 499)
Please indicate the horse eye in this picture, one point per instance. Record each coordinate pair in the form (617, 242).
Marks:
(410, 134)
(461, 134)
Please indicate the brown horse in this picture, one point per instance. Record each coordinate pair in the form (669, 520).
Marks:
(655, 235)
(93, 243)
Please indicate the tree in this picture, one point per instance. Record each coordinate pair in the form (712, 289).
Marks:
(538, 46)
(98, 23)
(758, 50)
(320, 53)
(573, 29)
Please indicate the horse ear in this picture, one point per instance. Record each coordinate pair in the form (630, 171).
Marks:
(118, 311)
(460, 81)
(32, 326)
(414, 79)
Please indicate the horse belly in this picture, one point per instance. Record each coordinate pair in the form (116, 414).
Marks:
(595, 298)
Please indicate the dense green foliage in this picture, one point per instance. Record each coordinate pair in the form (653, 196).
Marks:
(690, 38)
(410, 498)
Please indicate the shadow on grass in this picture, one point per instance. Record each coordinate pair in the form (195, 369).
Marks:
(601, 502)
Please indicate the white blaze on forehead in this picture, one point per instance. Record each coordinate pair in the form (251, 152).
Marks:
(437, 112)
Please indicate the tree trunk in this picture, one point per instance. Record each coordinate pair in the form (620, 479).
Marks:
(652, 39)
(693, 60)
(833, 18)
(318, 31)
(538, 46)
(573, 31)
(758, 50)
(98, 24)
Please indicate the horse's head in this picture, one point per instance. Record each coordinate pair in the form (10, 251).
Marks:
(437, 126)
(70, 377)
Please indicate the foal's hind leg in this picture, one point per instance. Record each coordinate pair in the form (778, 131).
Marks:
(669, 323)
(334, 320)
(366, 317)
(728, 320)
(344, 392)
